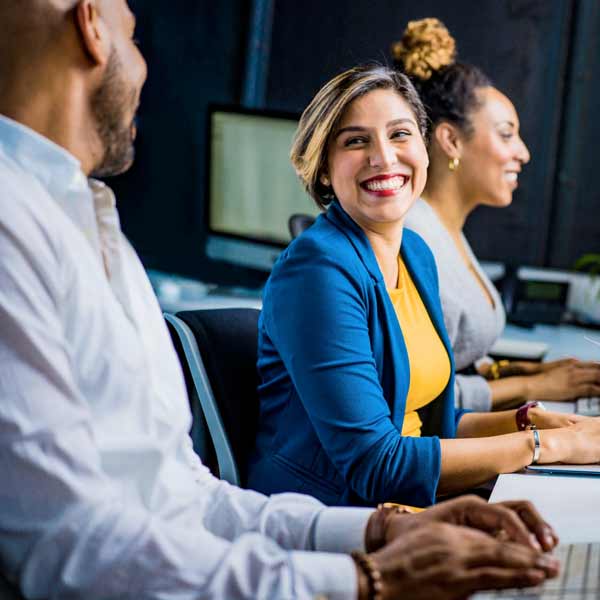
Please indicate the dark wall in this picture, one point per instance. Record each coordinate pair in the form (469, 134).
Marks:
(197, 53)
(575, 227)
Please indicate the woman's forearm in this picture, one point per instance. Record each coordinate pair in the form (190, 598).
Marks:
(482, 425)
(509, 392)
(467, 463)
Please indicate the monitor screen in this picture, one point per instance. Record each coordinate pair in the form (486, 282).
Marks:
(253, 189)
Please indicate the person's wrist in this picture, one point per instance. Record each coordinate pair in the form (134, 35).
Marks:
(528, 390)
(376, 531)
(497, 369)
(370, 578)
(555, 444)
(535, 413)
(523, 415)
(363, 583)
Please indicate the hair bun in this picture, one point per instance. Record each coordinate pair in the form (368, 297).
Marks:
(426, 46)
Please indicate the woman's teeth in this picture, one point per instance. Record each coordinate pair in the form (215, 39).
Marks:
(393, 183)
(511, 177)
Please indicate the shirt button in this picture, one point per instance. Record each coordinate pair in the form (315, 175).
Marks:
(321, 597)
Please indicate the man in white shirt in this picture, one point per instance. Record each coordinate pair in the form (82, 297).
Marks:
(101, 495)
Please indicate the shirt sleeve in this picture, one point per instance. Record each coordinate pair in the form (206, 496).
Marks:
(292, 520)
(325, 345)
(68, 531)
(472, 392)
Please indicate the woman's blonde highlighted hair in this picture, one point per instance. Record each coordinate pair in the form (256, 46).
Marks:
(321, 118)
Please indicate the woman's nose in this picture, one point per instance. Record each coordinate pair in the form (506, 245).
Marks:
(523, 152)
(382, 155)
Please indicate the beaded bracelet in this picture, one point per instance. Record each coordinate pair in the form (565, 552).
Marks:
(373, 574)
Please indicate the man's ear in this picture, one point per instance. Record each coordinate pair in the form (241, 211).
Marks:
(449, 139)
(93, 31)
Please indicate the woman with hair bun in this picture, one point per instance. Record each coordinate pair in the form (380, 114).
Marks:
(476, 155)
(355, 367)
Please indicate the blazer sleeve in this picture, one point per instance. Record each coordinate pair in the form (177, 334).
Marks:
(317, 318)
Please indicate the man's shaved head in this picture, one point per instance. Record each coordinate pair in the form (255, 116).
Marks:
(28, 28)
(70, 70)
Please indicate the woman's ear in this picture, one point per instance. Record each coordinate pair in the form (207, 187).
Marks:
(324, 179)
(448, 139)
(93, 31)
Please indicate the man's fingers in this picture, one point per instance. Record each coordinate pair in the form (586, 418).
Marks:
(527, 512)
(490, 578)
(494, 518)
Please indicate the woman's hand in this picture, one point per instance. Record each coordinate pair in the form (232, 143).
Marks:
(442, 561)
(576, 444)
(566, 381)
(544, 419)
(519, 521)
(529, 367)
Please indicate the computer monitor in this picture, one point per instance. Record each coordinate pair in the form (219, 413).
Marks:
(252, 186)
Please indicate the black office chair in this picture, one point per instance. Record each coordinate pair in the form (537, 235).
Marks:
(201, 438)
(8, 591)
(298, 223)
(219, 349)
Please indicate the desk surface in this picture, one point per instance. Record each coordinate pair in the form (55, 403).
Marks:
(563, 340)
(570, 504)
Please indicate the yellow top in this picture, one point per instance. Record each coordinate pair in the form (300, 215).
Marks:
(427, 356)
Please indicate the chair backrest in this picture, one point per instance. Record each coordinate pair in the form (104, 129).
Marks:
(298, 223)
(8, 591)
(226, 381)
(200, 434)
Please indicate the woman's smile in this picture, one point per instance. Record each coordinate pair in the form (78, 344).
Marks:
(385, 185)
(377, 160)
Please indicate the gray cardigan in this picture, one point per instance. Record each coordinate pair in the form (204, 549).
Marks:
(473, 324)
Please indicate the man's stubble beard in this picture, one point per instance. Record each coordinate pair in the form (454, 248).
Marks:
(111, 104)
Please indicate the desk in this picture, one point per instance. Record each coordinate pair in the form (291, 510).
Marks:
(570, 504)
(563, 340)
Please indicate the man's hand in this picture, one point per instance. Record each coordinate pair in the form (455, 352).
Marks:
(517, 521)
(441, 561)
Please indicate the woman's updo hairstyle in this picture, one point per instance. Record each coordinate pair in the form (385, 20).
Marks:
(427, 54)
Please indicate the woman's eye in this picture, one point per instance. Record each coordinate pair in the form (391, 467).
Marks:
(506, 135)
(355, 141)
(400, 134)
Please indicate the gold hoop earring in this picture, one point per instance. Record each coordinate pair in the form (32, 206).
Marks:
(453, 163)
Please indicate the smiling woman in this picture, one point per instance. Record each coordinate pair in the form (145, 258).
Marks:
(356, 369)
(476, 157)
(377, 161)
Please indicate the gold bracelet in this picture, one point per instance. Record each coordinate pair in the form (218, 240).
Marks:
(495, 369)
(375, 535)
(368, 567)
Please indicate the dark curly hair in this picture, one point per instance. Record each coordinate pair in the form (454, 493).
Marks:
(427, 54)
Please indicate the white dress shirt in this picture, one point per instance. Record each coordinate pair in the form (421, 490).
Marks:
(101, 495)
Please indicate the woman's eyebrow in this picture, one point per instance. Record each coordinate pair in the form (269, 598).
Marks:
(350, 128)
(358, 128)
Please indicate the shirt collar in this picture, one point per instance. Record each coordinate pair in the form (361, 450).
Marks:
(56, 168)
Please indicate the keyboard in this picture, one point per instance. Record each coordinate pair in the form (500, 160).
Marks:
(579, 578)
(589, 407)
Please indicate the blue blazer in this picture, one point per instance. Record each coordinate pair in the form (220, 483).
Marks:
(334, 374)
